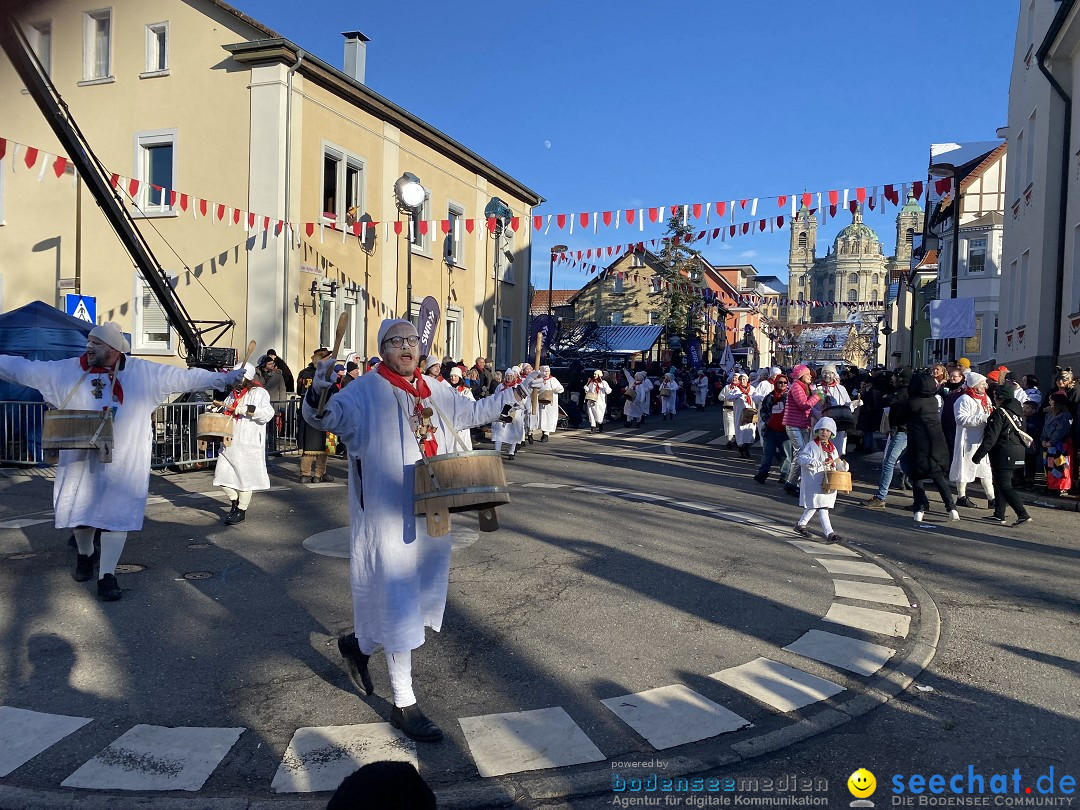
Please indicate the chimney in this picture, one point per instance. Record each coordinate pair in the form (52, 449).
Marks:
(355, 54)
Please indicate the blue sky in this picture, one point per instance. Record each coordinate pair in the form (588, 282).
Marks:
(614, 104)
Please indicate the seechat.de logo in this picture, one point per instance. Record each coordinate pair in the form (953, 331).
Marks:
(862, 785)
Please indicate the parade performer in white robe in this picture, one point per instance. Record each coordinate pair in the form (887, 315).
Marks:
(398, 572)
(241, 466)
(700, 386)
(835, 394)
(462, 390)
(972, 410)
(727, 398)
(741, 397)
(815, 458)
(596, 394)
(669, 393)
(549, 412)
(90, 494)
(509, 427)
(532, 407)
(637, 407)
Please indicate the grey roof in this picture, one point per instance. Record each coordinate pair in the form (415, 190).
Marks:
(622, 339)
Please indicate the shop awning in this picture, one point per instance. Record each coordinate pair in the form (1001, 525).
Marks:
(619, 340)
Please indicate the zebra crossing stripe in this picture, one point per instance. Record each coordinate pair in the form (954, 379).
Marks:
(778, 685)
(318, 758)
(882, 622)
(527, 741)
(861, 657)
(690, 435)
(25, 734)
(674, 715)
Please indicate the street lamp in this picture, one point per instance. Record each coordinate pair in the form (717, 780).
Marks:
(499, 214)
(410, 196)
(949, 170)
(551, 270)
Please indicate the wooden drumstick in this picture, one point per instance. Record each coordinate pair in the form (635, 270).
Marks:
(250, 351)
(339, 336)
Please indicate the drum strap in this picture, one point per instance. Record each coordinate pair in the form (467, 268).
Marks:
(71, 393)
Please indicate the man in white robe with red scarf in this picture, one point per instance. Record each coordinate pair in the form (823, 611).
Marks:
(398, 572)
(89, 493)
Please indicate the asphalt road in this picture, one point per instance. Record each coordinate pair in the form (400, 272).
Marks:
(583, 595)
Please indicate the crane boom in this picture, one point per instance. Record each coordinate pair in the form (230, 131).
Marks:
(97, 180)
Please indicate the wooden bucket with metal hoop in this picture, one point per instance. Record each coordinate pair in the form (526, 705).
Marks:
(836, 481)
(459, 482)
(590, 396)
(214, 427)
(749, 416)
(77, 430)
(546, 397)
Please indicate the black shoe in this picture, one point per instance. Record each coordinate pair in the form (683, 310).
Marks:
(995, 519)
(528, 438)
(834, 538)
(1021, 521)
(235, 516)
(415, 724)
(510, 457)
(966, 502)
(761, 478)
(108, 589)
(305, 479)
(84, 567)
(791, 490)
(356, 663)
(802, 530)
(543, 438)
(328, 478)
(601, 426)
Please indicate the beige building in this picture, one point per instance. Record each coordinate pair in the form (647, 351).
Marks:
(194, 96)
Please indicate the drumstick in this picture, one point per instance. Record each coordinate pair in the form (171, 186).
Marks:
(536, 366)
(339, 336)
(251, 351)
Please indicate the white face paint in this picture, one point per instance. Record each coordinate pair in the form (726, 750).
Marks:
(100, 353)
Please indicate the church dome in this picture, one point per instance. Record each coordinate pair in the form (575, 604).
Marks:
(856, 237)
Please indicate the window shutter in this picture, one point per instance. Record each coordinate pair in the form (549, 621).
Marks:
(155, 324)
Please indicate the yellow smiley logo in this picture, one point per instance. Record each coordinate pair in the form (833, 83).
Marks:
(861, 783)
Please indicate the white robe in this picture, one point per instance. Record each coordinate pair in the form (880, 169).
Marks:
(638, 407)
(242, 465)
(744, 434)
(549, 414)
(598, 409)
(87, 492)
(465, 433)
(509, 432)
(970, 425)
(667, 403)
(398, 572)
(700, 387)
(812, 458)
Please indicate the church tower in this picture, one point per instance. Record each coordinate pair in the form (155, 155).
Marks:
(801, 255)
(909, 223)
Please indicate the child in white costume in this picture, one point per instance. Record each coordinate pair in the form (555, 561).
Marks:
(816, 458)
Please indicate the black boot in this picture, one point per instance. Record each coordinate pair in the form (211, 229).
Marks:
(108, 589)
(415, 724)
(84, 567)
(356, 662)
(601, 426)
(237, 515)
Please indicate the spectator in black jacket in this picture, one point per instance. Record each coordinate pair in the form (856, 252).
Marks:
(286, 372)
(927, 458)
(485, 379)
(1002, 443)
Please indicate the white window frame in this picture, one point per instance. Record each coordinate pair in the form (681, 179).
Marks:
(346, 160)
(452, 340)
(636, 260)
(973, 249)
(619, 284)
(35, 32)
(90, 72)
(1022, 292)
(153, 51)
(138, 345)
(143, 206)
(455, 256)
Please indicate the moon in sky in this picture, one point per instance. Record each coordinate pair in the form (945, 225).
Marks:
(547, 144)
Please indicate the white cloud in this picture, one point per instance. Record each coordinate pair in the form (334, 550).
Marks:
(748, 254)
(725, 246)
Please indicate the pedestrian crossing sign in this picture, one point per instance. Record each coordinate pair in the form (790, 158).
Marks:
(83, 307)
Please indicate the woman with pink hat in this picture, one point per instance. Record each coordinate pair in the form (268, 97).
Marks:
(800, 402)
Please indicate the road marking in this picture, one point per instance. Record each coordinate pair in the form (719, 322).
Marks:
(25, 734)
(690, 435)
(871, 592)
(318, 758)
(22, 523)
(854, 569)
(527, 741)
(778, 685)
(718, 440)
(674, 715)
(546, 486)
(157, 758)
(881, 622)
(811, 547)
(652, 434)
(860, 657)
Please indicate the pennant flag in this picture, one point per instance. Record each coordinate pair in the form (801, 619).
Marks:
(236, 216)
(781, 201)
(697, 210)
(654, 214)
(916, 189)
(721, 207)
(133, 188)
(892, 195)
(309, 228)
(628, 215)
(3, 147)
(538, 222)
(30, 157)
(584, 220)
(515, 223)
(59, 165)
(219, 214)
(560, 220)
(941, 186)
(469, 225)
(423, 226)
(834, 199)
(607, 218)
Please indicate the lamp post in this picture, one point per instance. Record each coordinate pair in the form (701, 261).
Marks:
(949, 170)
(551, 270)
(499, 214)
(410, 196)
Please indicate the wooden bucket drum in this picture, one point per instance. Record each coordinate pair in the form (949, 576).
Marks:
(836, 481)
(545, 397)
(214, 427)
(77, 430)
(459, 482)
(590, 396)
(629, 396)
(749, 416)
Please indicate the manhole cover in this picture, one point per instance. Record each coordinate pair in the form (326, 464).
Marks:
(130, 568)
(198, 575)
(21, 556)
(198, 545)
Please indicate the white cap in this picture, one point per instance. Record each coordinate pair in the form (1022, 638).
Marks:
(387, 325)
(825, 423)
(111, 335)
(249, 370)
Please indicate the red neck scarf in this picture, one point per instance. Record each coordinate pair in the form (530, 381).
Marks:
(827, 446)
(982, 399)
(117, 389)
(418, 389)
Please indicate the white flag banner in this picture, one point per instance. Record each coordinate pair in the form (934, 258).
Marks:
(952, 318)
(727, 361)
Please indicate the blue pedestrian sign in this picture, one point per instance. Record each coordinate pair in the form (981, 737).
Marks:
(83, 307)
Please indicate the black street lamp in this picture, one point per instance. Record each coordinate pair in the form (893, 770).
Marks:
(410, 196)
(499, 214)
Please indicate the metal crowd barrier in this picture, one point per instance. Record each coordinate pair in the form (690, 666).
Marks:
(173, 431)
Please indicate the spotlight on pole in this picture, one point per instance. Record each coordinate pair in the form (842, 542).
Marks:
(409, 193)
